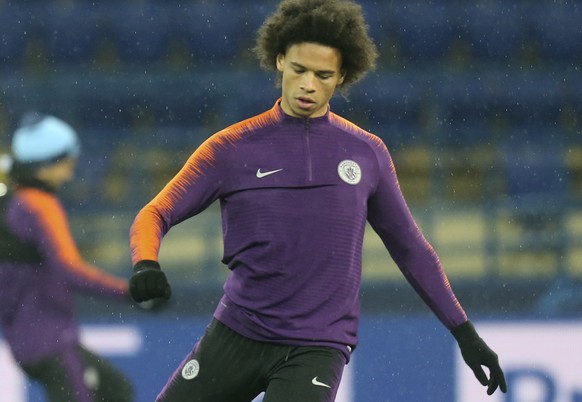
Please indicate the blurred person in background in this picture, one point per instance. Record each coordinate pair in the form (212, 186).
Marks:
(296, 185)
(41, 269)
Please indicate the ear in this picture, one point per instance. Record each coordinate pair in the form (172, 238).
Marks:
(280, 62)
(341, 78)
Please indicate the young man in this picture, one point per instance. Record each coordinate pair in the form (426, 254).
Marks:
(41, 268)
(296, 185)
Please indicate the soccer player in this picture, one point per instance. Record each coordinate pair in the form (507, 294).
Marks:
(41, 269)
(296, 185)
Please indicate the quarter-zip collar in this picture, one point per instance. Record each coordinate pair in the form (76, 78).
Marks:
(306, 124)
(306, 121)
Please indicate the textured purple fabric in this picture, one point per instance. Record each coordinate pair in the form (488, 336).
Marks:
(37, 311)
(295, 195)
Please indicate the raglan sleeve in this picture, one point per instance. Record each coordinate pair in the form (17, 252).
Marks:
(195, 187)
(391, 218)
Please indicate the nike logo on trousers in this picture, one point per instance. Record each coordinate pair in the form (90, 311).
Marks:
(318, 383)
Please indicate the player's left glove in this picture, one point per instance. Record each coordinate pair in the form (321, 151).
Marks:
(476, 353)
(148, 282)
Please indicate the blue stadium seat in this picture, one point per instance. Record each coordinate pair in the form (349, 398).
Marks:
(102, 114)
(184, 109)
(251, 16)
(535, 167)
(495, 30)
(388, 105)
(14, 24)
(142, 30)
(558, 29)
(212, 30)
(253, 91)
(424, 30)
(529, 99)
(72, 31)
(377, 15)
(463, 102)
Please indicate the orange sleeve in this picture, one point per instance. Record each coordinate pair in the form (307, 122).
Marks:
(59, 245)
(192, 190)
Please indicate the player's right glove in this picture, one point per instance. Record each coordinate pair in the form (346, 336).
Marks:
(476, 353)
(148, 282)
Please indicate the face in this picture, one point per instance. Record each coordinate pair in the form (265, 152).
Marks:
(58, 173)
(310, 74)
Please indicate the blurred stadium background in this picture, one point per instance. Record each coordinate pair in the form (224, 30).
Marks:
(479, 102)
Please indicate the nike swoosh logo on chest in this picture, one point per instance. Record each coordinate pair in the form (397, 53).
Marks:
(261, 174)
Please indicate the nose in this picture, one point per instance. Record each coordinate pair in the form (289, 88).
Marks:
(307, 82)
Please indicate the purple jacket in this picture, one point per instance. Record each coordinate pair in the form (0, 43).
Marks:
(295, 195)
(36, 293)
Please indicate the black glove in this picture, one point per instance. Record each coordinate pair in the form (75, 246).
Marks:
(476, 353)
(148, 282)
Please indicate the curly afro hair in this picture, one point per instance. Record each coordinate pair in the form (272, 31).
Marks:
(335, 23)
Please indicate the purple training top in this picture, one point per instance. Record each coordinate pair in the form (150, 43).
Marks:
(295, 195)
(39, 278)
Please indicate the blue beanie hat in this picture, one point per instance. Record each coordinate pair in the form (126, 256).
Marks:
(44, 139)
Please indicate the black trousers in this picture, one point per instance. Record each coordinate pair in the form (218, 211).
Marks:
(78, 375)
(227, 367)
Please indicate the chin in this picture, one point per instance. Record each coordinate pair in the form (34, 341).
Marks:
(307, 113)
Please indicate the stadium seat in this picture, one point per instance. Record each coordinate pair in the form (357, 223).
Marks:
(424, 30)
(537, 178)
(463, 103)
(13, 39)
(494, 29)
(256, 87)
(531, 216)
(558, 29)
(388, 105)
(72, 31)
(212, 31)
(142, 30)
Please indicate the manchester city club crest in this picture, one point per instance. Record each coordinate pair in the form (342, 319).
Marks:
(350, 172)
(191, 369)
